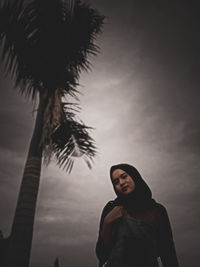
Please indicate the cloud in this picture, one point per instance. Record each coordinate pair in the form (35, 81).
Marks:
(142, 98)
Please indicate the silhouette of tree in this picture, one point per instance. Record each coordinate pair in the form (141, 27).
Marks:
(45, 45)
(3, 248)
(56, 263)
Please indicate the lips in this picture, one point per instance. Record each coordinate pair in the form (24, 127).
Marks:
(125, 188)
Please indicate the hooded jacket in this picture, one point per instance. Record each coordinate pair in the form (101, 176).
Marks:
(144, 215)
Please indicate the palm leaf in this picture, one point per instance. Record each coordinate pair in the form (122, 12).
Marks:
(47, 43)
(70, 140)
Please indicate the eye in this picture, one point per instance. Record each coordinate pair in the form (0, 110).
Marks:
(124, 176)
(116, 181)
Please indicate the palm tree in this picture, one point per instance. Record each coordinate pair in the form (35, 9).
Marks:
(45, 44)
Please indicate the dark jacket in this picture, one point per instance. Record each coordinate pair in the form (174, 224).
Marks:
(157, 219)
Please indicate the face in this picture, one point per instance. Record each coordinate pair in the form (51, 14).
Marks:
(122, 182)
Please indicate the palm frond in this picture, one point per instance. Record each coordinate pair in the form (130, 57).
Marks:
(15, 45)
(70, 140)
(46, 43)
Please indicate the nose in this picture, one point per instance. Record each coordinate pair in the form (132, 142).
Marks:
(121, 181)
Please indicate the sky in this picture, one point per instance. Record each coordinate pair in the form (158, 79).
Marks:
(142, 99)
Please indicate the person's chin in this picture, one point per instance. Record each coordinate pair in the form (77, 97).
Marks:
(127, 192)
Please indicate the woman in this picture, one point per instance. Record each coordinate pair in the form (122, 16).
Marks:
(134, 229)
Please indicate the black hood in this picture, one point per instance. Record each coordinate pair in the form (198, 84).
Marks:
(141, 197)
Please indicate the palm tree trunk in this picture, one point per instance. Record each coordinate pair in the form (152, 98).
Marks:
(20, 240)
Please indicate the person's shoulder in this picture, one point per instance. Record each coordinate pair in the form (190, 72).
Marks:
(161, 209)
(109, 205)
(107, 208)
(160, 206)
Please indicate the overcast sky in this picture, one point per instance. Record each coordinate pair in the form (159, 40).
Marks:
(142, 97)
